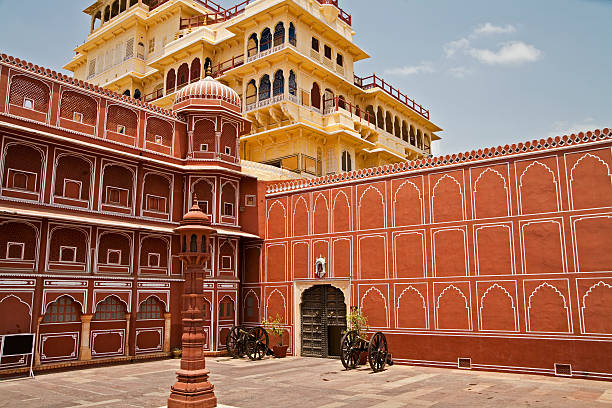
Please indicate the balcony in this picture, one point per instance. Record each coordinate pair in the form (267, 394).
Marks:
(374, 81)
(109, 74)
(342, 15)
(210, 5)
(253, 102)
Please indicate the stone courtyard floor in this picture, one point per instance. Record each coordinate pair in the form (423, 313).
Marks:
(304, 383)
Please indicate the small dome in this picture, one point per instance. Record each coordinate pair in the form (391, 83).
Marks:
(195, 215)
(208, 90)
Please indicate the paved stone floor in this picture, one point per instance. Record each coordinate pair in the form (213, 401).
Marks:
(304, 383)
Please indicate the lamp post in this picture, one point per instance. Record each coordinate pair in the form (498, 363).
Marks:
(192, 388)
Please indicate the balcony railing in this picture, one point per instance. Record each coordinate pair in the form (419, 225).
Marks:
(150, 97)
(218, 15)
(374, 81)
(253, 102)
(211, 5)
(202, 20)
(223, 67)
(343, 15)
(336, 103)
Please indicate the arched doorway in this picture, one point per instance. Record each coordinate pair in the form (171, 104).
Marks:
(323, 319)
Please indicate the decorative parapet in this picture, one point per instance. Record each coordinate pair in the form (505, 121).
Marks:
(45, 72)
(441, 161)
(265, 172)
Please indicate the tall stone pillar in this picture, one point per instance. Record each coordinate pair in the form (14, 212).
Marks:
(192, 388)
(36, 340)
(126, 349)
(85, 353)
(167, 328)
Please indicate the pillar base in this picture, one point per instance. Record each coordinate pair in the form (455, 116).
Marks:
(193, 390)
(85, 354)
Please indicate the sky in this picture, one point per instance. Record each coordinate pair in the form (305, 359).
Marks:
(491, 72)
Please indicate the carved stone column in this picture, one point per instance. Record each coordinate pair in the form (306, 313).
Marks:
(167, 327)
(36, 351)
(85, 353)
(192, 388)
(128, 317)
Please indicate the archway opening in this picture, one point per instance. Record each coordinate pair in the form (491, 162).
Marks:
(323, 320)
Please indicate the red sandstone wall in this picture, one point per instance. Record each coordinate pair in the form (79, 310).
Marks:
(504, 260)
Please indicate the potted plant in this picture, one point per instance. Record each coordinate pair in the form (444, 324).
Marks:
(359, 323)
(275, 326)
(177, 352)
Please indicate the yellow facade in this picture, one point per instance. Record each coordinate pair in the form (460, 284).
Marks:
(291, 61)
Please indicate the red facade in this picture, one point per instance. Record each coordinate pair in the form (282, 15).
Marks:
(93, 184)
(496, 257)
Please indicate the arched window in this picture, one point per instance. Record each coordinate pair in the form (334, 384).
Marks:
(183, 74)
(292, 83)
(396, 127)
(279, 83)
(404, 131)
(412, 136)
(264, 88)
(196, 67)
(208, 67)
(292, 36)
(97, 21)
(279, 34)
(371, 116)
(63, 310)
(315, 96)
(266, 40)
(419, 139)
(328, 100)
(133, 2)
(193, 245)
(252, 45)
(137, 93)
(251, 92)
(380, 118)
(107, 13)
(123, 6)
(347, 164)
(170, 81)
(110, 309)
(150, 309)
(341, 102)
(389, 123)
(127, 92)
(226, 308)
(115, 8)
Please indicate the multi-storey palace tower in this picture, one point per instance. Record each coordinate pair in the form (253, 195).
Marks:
(292, 63)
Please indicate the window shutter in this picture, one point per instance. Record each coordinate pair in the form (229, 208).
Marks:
(129, 49)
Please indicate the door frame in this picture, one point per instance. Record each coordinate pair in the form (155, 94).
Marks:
(299, 287)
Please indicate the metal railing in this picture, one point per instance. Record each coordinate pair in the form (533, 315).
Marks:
(336, 103)
(374, 81)
(342, 15)
(211, 5)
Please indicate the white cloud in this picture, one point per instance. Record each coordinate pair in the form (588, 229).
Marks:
(423, 68)
(564, 127)
(452, 47)
(488, 28)
(511, 53)
(459, 72)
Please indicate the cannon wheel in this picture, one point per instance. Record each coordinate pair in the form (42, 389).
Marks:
(257, 343)
(377, 352)
(350, 346)
(232, 341)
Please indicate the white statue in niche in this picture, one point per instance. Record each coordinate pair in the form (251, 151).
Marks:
(320, 267)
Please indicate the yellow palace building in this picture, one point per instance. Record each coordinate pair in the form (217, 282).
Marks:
(291, 61)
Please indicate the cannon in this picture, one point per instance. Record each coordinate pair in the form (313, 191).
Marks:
(352, 345)
(252, 342)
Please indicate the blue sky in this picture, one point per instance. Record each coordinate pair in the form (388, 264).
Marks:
(491, 72)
